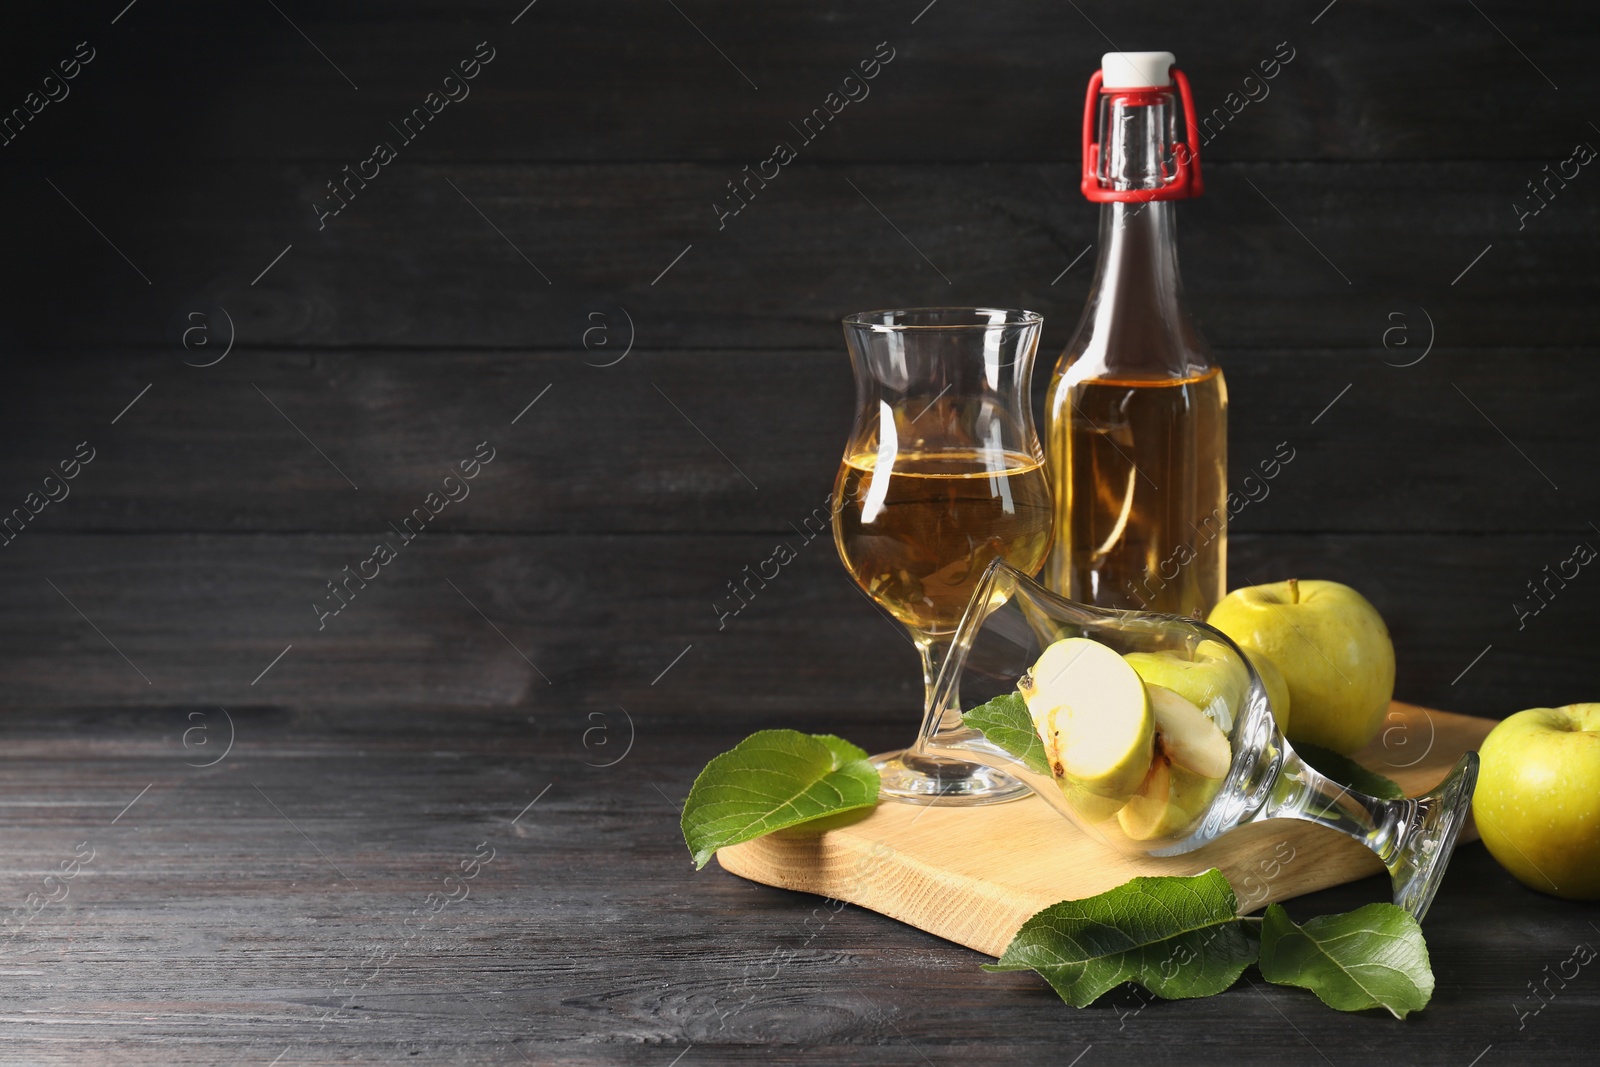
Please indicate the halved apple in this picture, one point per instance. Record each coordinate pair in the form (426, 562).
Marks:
(1091, 711)
(1192, 757)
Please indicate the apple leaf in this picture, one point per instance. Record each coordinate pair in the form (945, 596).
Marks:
(771, 780)
(1373, 957)
(1347, 771)
(1176, 937)
(1006, 722)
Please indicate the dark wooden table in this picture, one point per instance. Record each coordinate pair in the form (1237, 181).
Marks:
(281, 902)
(270, 810)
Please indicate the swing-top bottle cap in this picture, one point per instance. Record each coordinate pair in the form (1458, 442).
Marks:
(1136, 70)
(1164, 168)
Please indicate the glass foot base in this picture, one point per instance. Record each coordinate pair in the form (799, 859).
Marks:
(1430, 837)
(916, 779)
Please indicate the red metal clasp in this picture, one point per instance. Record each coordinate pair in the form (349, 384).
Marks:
(1183, 183)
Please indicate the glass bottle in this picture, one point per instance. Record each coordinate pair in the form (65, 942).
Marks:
(1137, 413)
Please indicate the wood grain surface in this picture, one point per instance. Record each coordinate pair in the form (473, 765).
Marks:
(975, 875)
(212, 927)
(611, 80)
(415, 262)
(616, 449)
(602, 617)
(1358, 263)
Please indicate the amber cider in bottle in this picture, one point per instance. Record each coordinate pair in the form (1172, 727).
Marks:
(1137, 411)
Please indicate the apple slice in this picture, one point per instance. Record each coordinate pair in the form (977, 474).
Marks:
(1192, 757)
(1091, 711)
(1150, 813)
(1187, 737)
(1091, 807)
(1168, 802)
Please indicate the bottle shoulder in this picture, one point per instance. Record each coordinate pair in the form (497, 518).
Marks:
(1205, 390)
(1136, 367)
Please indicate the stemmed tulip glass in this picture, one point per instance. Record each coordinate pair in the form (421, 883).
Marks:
(1012, 619)
(943, 474)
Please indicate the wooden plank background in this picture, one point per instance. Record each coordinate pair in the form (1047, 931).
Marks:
(1359, 215)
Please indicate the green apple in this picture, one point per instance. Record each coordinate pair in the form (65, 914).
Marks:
(1092, 713)
(1277, 689)
(1212, 681)
(1168, 802)
(1537, 804)
(1332, 649)
(1090, 806)
(1192, 760)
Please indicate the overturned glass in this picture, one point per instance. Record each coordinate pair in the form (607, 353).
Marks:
(1190, 789)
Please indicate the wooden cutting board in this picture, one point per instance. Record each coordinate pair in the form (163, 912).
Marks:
(974, 875)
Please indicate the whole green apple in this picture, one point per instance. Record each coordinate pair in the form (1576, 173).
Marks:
(1277, 689)
(1538, 799)
(1331, 647)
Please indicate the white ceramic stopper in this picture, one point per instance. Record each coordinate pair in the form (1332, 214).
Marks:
(1135, 70)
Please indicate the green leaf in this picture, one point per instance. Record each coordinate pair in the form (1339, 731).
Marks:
(1373, 957)
(771, 780)
(1177, 937)
(1006, 721)
(1347, 771)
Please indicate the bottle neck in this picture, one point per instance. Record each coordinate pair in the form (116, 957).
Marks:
(1137, 268)
(1135, 324)
(1135, 321)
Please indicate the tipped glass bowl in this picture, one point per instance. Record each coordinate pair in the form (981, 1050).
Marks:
(1012, 619)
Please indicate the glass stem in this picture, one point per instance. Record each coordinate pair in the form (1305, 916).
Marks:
(1301, 792)
(934, 649)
